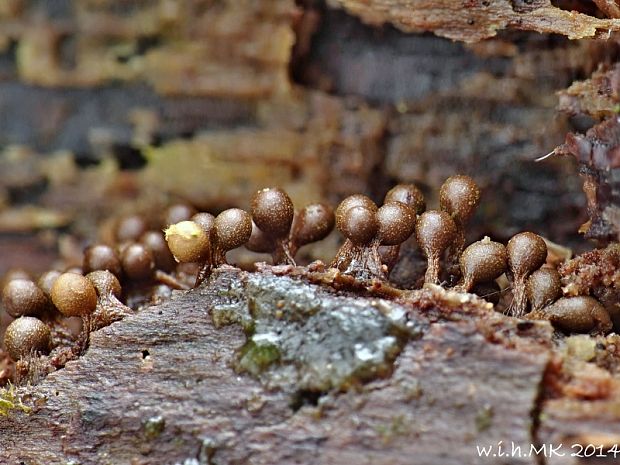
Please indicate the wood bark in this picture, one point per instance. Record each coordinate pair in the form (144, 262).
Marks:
(161, 386)
(474, 20)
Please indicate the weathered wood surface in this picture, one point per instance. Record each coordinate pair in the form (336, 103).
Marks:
(159, 387)
(597, 151)
(474, 20)
(575, 425)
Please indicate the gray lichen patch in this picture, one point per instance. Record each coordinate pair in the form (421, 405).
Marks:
(308, 338)
(231, 307)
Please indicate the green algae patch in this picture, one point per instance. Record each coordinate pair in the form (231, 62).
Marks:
(10, 401)
(484, 418)
(154, 427)
(255, 358)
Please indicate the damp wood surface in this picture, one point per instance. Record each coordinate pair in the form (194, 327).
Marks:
(475, 20)
(166, 385)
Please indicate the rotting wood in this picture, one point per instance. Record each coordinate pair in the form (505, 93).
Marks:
(160, 387)
(474, 20)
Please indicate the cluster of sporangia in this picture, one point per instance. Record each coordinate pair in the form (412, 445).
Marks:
(373, 237)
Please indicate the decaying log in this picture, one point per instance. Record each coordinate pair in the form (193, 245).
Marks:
(598, 153)
(425, 108)
(257, 368)
(474, 20)
(596, 97)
